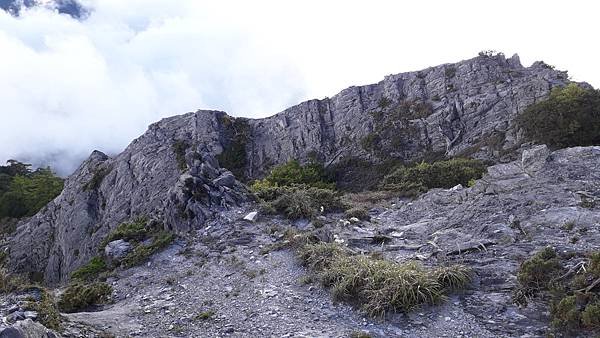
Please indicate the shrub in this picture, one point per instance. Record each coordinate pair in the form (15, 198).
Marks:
(355, 174)
(179, 148)
(236, 133)
(415, 179)
(81, 296)
(569, 117)
(370, 142)
(450, 72)
(591, 316)
(384, 102)
(10, 282)
(574, 306)
(537, 272)
(594, 266)
(91, 270)
(565, 315)
(299, 201)
(293, 173)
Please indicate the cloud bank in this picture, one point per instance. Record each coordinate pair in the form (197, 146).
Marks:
(70, 86)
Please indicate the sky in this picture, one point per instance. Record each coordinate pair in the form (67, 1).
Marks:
(70, 86)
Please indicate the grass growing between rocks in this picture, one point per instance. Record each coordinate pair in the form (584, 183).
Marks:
(377, 286)
(82, 296)
(572, 293)
(45, 306)
(48, 314)
(91, 270)
(143, 251)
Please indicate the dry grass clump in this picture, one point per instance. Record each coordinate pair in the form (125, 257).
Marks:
(454, 277)
(81, 296)
(379, 286)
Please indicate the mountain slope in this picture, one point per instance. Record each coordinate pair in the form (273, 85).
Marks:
(172, 173)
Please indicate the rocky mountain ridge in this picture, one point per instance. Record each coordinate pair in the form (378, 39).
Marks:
(173, 173)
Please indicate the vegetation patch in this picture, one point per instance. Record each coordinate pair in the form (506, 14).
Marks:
(91, 270)
(48, 314)
(354, 174)
(79, 297)
(412, 180)
(23, 192)
(233, 157)
(572, 293)
(450, 72)
(179, 148)
(293, 173)
(96, 180)
(205, 315)
(569, 117)
(379, 286)
(142, 251)
(146, 236)
(358, 212)
(299, 201)
(136, 230)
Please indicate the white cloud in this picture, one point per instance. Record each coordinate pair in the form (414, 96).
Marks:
(70, 86)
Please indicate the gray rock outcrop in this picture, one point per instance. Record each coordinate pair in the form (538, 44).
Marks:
(171, 173)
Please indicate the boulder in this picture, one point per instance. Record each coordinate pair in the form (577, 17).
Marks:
(117, 250)
(533, 159)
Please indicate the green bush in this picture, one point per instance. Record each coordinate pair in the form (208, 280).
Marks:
(233, 157)
(299, 201)
(91, 270)
(537, 272)
(413, 180)
(590, 317)
(574, 306)
(293, 173)
(565, 315)
(569, 117)
(81, 296)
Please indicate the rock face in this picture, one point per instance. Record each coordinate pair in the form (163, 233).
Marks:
(167, 174)
(469, 109)
(171, 173)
